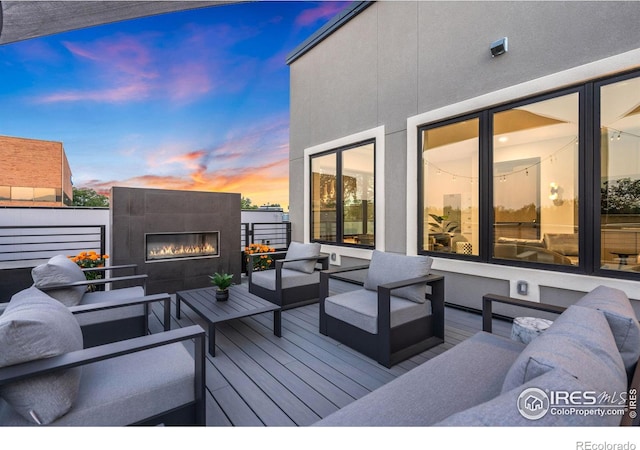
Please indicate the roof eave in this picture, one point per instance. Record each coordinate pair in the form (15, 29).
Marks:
(329, 28)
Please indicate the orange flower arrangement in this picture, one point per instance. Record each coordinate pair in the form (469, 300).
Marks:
(90, 259)
(264, 261)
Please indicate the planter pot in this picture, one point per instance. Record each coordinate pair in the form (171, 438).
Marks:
(222, 296)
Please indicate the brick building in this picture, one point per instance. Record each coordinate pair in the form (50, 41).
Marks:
(34, 173)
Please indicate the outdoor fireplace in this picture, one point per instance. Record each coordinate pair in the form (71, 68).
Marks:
(179, 246)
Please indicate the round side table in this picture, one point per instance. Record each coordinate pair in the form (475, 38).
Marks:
(525, 329)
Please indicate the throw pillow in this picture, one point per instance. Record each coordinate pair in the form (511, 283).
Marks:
(622, 320)
(60, 270)
(389, 267)
(299, 250)
(580, 342)
(35, 326)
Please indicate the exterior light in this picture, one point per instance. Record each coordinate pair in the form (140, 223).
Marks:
(499, 47)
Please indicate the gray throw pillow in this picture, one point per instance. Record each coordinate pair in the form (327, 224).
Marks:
(622, 319)
(580, 342)
(35, 326)
(389, 267)
(300, 250)
(60, 270)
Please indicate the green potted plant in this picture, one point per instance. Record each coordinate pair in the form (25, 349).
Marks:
(442, 230)
(222, 281)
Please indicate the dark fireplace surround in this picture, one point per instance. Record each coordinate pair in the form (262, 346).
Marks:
(190, 236)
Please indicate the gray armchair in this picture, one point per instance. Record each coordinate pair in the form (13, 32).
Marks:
(294, 281)
(392, 317)
(142, 381)
(63, 280)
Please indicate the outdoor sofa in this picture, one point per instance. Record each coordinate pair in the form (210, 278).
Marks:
(592, 346)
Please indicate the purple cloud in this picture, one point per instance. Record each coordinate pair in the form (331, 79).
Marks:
(324, 11)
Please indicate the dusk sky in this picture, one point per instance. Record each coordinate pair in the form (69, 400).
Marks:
(195, 100)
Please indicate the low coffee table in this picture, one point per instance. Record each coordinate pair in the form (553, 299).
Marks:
(240, 304)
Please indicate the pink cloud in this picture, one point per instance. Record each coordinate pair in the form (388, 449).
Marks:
(127, 68)
(189, 80)
(120, 94)
(324, 11)
(263, 183)
(122, 55)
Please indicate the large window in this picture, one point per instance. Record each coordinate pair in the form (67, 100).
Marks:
(29, 194)
(535, 181)
(551, 181)
(343, 195)
(450, 187)
(620, 175)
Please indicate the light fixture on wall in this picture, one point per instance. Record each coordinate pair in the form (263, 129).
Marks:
(554, 194)
(499, 47)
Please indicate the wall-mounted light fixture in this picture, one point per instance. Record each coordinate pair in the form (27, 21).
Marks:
(499, 47)
(554, 193)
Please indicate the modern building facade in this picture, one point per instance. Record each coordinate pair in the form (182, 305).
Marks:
(417, 128)
(34, 173)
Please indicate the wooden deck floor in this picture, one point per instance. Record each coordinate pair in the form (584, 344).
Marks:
(258, 379)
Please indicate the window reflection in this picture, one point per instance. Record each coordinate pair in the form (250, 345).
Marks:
(620, 175)
(450, 188)
(324, 196)
(535, 182)
(343, 195)
(358, 195)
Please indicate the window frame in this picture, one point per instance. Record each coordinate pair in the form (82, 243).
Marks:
(338, 151)
(421, 199)
(589, 236)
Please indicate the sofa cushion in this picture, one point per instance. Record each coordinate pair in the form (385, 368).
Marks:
(290, 278)
(360, 309)
(35, 326)
(622, 320)
(128, 389)
(580, 342)
(388, 267)
(60, 270)
(466, 375)
(518, 241)
(563, 243)
(504, 411)
(299, 250)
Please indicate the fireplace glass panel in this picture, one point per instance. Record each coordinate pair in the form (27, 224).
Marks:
(189, 245)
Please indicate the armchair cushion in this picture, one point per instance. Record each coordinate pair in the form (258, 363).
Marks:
(127, 389)
(60, 270)
(580, 337)
(299, 250)
(360, 309)
(35, 326)
(94, 298)
(290, 278)
(388, 267)
(622, 320)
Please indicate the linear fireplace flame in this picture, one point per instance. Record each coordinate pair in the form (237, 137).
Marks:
(175, 246)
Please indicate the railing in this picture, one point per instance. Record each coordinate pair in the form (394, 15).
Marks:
(28, 246)
(276, 235)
